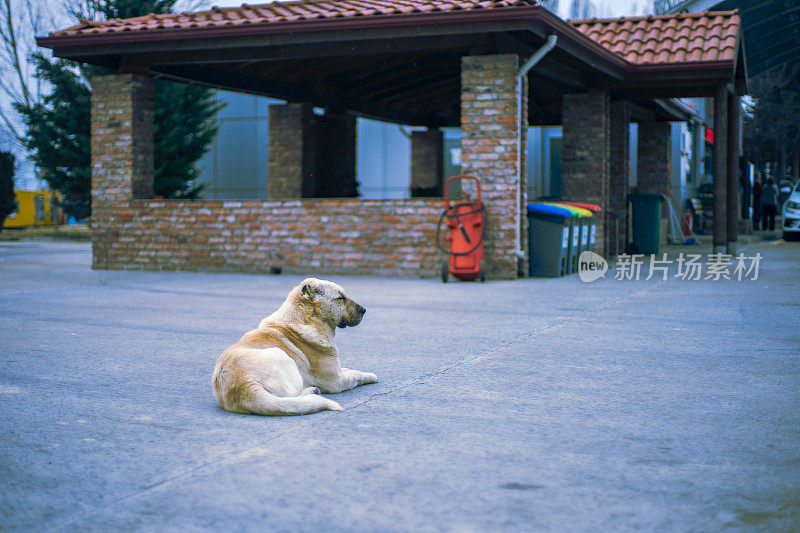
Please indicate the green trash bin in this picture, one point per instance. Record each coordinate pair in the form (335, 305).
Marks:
(549, 237)
(646, 223)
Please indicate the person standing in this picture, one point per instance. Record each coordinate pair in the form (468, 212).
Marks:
(757, 188)
(769, 205)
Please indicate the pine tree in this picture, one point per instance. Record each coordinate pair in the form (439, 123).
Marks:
(58, 134)
(184, 128)
(58, 127)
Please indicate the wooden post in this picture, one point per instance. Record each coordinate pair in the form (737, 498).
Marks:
(734, 128)
(720, 168)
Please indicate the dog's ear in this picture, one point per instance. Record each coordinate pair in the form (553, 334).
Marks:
(309, 290)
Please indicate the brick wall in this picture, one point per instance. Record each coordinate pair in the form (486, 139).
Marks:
(619, 178)
(653, 165)
(308, 237)
(586, 154)
(490, 107)
(286, 168)
(122, 150)
(426, 163)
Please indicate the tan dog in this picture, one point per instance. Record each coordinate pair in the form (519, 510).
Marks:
(278, 368)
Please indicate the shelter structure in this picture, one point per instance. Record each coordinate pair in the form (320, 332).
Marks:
(490, 67)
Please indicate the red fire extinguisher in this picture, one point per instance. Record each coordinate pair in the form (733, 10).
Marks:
(466, 227)
(687, 223)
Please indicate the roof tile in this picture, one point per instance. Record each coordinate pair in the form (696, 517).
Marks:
(277, 12)
(675, 38)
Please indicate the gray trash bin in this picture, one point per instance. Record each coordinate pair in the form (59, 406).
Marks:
(549, 237)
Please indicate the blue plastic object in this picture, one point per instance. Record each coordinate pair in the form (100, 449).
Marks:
(549, 209)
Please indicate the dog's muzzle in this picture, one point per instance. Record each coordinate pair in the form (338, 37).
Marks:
(355, 319)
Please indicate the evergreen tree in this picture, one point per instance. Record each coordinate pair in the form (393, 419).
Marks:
(184, 128)
(8, 203)
(58, 134)
(58, 127)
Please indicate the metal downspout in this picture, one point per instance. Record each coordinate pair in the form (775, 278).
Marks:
(523, 71)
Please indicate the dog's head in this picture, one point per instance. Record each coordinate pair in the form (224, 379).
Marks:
(329, 301)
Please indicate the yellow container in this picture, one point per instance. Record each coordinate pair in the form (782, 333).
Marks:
(35, 208)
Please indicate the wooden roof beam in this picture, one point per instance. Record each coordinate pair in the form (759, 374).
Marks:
(318, 95)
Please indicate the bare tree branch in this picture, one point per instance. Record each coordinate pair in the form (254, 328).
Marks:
(10, 127)
(14, 52)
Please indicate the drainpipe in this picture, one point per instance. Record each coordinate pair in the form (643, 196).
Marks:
(523, 71)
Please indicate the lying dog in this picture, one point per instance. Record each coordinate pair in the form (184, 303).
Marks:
(280, 367)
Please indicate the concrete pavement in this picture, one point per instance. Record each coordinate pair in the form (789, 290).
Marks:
(534, 405)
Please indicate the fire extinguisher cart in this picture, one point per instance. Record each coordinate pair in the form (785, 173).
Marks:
(466, 226)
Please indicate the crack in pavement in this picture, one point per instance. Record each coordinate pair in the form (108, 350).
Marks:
(520, 338)
(411, 382)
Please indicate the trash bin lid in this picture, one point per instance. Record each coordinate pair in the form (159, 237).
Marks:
(584, 212)
(549, 209)
(594, 208)
(576, 211)
(643, 195)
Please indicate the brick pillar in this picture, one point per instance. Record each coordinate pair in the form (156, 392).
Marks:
(586, 153)
(720, 229)
(653, 165)
(427, 169)
(122, 152)
(334, 163)
(309, 155)
(492, 150)
(619, 179)
(288, 169)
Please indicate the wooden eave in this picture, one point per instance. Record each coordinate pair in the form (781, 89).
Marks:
(399, 68)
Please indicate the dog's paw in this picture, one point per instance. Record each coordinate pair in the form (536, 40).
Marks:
(333, 406)
(369, 377)
(310, 390)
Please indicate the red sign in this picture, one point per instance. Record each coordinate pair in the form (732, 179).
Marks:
(709, 135)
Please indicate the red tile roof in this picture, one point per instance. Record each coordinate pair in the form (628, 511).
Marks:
(651, 40)
(284, 12)
(677, 38)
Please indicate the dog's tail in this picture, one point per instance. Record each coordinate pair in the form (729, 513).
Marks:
(261, 402)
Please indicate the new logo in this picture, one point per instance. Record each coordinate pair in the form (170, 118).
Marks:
(591, 266)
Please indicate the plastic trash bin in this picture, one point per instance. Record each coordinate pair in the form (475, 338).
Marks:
(585, 218)
(594, 209)
(581, 227)
(646, 224)
(573, 236)
(549, 237)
